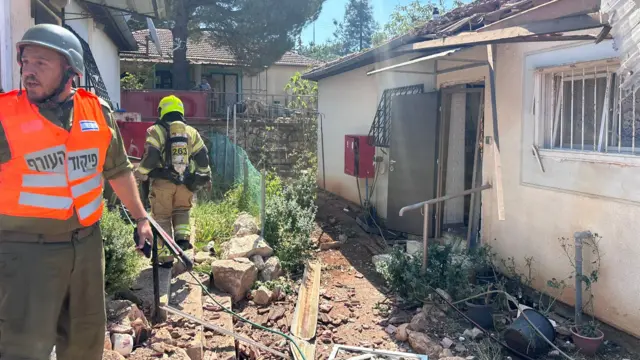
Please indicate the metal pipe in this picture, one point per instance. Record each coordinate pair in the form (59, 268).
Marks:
(620, 118)
(223, 331)
(579, 241)
(156, 316)
(562, 111)
(595, 106)
(425, 239)
(572, 97)
(443, 198)
(583, 84)
(263, 202)
(387, 353)
(324, 176)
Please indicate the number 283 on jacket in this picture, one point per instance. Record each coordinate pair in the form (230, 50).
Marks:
(53, 172)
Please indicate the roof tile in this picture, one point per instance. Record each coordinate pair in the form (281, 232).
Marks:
(199, 52)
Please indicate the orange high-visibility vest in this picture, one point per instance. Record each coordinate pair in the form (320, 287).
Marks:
(52, 171)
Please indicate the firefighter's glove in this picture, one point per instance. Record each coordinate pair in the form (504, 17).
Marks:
(141, 177)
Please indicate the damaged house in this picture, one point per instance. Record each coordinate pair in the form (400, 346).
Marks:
(515, 105)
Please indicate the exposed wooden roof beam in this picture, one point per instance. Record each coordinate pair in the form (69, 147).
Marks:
(552, 10)
(516, 33)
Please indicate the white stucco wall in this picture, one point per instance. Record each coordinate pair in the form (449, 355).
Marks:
(348, 104)
(569, 196)
(104, 50)
(106, 54)
(18, 14)
(272, 81)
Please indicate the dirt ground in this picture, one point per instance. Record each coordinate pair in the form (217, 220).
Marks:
(357, 309)
(364, 313)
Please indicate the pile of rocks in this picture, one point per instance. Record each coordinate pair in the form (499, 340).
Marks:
(128, 328)
(245, 258)
(415, 333)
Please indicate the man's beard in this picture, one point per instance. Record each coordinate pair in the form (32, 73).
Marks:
(37, 99)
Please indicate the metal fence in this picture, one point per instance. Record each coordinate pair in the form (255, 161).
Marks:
(213, 104)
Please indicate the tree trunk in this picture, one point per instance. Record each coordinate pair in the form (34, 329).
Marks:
(180, 31)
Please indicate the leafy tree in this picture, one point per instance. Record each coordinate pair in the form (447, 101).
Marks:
(405, 18)
(357, 28)
(258, 33)
(328, 51)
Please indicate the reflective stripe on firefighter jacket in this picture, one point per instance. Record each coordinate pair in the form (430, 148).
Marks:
(53, 172)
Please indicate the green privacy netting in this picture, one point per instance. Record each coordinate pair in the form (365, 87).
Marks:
(231, 168)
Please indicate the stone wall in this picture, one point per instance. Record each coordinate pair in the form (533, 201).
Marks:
(271, 145)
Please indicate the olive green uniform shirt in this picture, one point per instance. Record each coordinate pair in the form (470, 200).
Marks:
(116, 163)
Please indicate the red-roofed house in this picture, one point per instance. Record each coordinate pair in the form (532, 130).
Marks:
(218, 66)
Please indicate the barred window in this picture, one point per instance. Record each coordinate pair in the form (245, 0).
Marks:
(584, 109)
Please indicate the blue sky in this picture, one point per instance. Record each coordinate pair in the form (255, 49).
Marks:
(334, 9)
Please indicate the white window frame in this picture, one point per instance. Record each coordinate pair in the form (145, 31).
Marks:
(544, 102)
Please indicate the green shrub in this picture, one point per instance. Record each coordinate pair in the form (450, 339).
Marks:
(446, 270)
(290, 213)
(122, 263)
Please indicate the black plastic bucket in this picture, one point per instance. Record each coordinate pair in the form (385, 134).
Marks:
(481, 314)
(521, 336)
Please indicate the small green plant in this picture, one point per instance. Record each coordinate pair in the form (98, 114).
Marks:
(122, 263)
(285, 285)
(446, 270)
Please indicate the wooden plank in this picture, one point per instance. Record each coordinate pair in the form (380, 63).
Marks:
(305, 316)
(517, 33)
(445, 106)
(474, 174)
(552, 10)
(307, 348)
(497, 163)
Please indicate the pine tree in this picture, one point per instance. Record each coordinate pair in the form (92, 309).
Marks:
(357, 28)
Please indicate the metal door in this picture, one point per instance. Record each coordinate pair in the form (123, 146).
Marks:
(412, 158)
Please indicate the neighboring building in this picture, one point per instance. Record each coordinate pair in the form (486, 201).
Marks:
(568, 157)
(227, 79)
(102, 30)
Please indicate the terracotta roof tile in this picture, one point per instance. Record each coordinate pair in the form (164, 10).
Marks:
(198, 52)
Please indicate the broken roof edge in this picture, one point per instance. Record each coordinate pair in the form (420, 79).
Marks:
(466, 39)
(351, 62)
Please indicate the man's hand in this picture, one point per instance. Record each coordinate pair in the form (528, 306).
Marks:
(145, 233)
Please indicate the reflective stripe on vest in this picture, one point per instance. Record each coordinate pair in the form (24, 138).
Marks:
(88, 210)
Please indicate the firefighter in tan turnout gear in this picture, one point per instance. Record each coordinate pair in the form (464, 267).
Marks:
(177, 163)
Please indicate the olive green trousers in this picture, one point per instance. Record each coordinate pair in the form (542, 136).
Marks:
(52, 293)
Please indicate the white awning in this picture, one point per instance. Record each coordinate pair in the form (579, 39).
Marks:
(425, 58)
(150, 8)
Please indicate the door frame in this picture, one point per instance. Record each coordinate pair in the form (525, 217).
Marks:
(443, 141)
